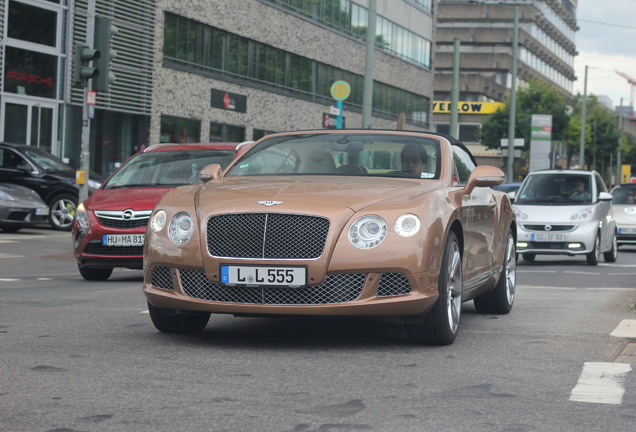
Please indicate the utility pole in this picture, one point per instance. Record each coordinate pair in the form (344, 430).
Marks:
(619, 162)
(583, 115)
(454, 108)
(513, 98)
(86, 116)
(367, 96)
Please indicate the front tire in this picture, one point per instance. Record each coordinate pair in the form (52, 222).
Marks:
(173, 321)
(501, 299)
(529, 257)
(62, 211)
(612, 254)
(95, 274)
(594, 256)
(440, 325)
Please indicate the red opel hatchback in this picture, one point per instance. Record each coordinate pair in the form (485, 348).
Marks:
(109, 227)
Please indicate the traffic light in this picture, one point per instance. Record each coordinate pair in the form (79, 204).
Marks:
(82, 71)
(103, 39)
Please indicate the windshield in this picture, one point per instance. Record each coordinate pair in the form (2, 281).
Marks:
(624, 195)
(558, 188)
(356, 154)
(167, 168)
(45, 159)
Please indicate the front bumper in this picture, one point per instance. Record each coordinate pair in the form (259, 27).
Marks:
(571, 239)
(348, 294)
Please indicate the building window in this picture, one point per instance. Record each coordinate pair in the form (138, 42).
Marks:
(226, 133)
(32, 24)
(30, 73)
(260, 133)
(253, 62)
(180, 130)
(351, 19)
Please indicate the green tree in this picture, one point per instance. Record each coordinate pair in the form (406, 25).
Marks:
(602, 135)
(536, 98)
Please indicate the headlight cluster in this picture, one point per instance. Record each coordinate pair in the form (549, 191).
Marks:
(519, 214)
(81, 216)
(369, 231)
(180, 228)
(584, 215)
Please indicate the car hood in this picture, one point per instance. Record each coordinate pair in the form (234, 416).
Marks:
(625, 214)
(551, 213)
(122, 199)
(306, 193)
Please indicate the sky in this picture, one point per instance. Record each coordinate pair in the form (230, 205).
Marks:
(606, 43)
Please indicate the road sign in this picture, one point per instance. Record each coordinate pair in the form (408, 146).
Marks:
(340, 90)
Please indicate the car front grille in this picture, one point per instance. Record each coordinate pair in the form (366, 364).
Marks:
(337, 288)
(393, 284)
(553, 228)
(267, 236)
(96, 248)
(126, 219)
(161, 278)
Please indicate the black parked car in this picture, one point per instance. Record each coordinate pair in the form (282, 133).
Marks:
(51, 178)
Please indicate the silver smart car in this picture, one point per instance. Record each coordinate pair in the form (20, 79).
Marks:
(565, 212)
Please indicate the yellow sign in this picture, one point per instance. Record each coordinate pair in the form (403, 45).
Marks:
(340, 90)
(626, 173)
(443, 107)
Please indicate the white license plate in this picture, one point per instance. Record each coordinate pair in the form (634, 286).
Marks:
(292, 277)
(42, 211)
(627, 230)
(548, 237)
(123, 239)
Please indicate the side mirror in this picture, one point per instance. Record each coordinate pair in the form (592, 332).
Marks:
(605, 196)
(210, 172)
(512, 195)
(484, 176)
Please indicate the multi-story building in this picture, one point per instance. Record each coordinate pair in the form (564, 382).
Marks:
(546, 51)
(208, 70)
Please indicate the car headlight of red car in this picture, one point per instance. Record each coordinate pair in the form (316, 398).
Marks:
(81, 216)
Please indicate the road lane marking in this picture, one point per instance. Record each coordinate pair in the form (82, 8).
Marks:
(576, 288)
(546, 287)
(582, 273)
(601, 383)
(625, 329)
(8, 280)
(3, 256)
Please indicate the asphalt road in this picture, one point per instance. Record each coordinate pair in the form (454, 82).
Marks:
(84, 356)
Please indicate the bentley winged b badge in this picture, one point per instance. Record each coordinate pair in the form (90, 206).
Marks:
(269, 203)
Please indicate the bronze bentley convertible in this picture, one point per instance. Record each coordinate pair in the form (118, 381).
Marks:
(335, 222)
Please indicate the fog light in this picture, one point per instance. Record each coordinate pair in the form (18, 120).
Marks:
(575, 245)
(522, 244)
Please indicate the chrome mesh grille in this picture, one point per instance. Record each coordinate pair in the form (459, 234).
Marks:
(393, 284)
(337, 288)
(267, 236)
(161, 278)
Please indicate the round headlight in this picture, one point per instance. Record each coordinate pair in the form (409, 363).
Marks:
(180, 229)
(367, 232)
(158, 221)
(407, 225)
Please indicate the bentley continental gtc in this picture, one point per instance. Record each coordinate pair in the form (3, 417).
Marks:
(335, 222)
